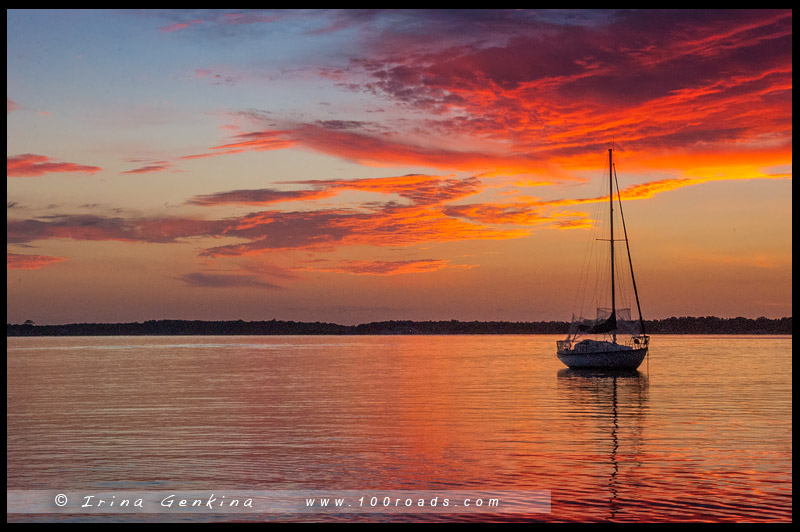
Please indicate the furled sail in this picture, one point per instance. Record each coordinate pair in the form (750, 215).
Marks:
(606, 326)
(606, 321)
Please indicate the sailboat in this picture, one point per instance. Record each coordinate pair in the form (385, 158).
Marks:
(611, 340)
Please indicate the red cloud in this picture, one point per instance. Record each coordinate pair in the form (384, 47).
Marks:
(566, 90)
(376, 150)
(381, 151)
(543, 100)
(15, 261)
(31, 165)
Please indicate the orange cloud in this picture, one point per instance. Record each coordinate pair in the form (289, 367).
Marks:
(429, 217)
(648, 190)
(31, 165)
(541, 212)
(523, 213)
(397, 267)
(510, 213)
(389, 225)
(421, 189)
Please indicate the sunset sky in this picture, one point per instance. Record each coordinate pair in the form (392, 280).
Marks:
(367, 165)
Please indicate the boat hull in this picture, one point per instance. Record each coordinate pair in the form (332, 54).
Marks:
(611, 359)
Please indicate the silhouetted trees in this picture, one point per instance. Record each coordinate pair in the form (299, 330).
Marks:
(682, 325)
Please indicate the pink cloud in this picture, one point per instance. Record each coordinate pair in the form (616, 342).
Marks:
(31, 165)
(247, 18)
(91, 227)
(226, 280)
(260, 141)
(225, 19)
(216, 78)
(208, 155)
(259, 197)
(159, 166)
(179, 26)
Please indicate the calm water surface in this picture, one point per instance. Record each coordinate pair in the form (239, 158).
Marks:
(702, 432)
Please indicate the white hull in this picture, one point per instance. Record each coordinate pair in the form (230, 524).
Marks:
(611, 359)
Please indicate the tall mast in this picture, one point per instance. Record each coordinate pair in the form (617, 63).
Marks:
(611, 218)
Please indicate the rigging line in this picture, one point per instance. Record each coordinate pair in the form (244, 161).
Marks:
(584, 295)
(627, 245)
(600, 259)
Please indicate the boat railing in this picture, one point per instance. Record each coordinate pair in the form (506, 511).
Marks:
(564, 345)
(634, 342)
(639, 341)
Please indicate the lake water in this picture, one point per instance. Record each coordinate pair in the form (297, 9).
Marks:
(702, 432)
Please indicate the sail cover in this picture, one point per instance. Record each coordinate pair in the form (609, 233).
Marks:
(605, 326)
(606, 321)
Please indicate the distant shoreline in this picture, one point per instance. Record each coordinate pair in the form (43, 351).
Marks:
(682, 325)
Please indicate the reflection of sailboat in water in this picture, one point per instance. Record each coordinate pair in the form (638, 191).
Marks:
(620, 399)
(612, 339)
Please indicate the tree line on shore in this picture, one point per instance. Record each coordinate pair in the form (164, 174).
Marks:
(682, 325)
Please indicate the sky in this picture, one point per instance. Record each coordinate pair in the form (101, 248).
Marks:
(351, 166)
